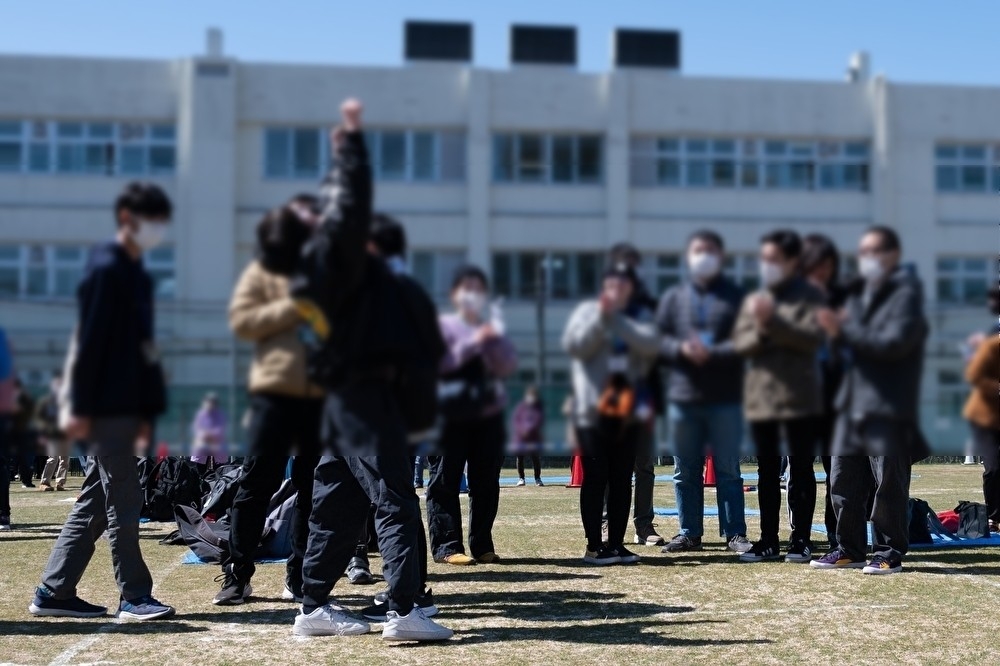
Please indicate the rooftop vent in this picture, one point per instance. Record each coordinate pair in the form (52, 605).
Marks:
(542, 45)
(436, 41)
(659, 49)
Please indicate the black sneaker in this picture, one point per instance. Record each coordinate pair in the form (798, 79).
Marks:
(235, 591)
(799, 553)
(837, 559)
(45, 605)
(739, 544)
(603, 557)
(883, 565)
(627, 556)
(4, 522)
(376, 612)
(647, 536)
(145, 609)
(762, 552)
(683, 544)
(359, 573)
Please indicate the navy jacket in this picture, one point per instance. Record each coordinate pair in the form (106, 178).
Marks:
(117, 370)
(686, 309)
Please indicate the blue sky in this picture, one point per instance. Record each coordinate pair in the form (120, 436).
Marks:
(913, 41)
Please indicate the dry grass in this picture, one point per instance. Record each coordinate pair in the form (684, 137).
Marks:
(541, 605)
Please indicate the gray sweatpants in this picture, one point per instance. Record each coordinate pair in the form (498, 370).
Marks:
(111, 500)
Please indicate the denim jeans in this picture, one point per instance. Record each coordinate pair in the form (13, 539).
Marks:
(699, 429)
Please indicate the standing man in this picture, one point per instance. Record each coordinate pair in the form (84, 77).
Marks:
(285, 406)
(363, 339)
(705, 393)
(117, 391)
(56, 444)
(6, 409)
(884, 330)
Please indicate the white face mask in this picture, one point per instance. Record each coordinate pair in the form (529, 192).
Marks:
(704, 265)
(471, 302)
(871, 268)
(771, 273)
(149, 235)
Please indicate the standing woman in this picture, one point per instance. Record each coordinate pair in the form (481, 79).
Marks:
(778, 332)
(472, 401)
(529, 426)
(821, 267)
(983, 413)
(612, 355)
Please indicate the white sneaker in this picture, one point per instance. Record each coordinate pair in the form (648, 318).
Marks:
(520, 483)
(414, 627)
(329, 620)
(288, 595)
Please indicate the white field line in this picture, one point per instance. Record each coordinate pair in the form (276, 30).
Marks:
(67, 656)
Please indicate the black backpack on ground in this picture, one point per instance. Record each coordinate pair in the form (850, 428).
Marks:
(172, 482)
(223, 484)
(924, 522)
(973, 520)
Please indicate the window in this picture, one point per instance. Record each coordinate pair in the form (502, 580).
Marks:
(967, 168)
(41, 271)
(99, 148)
(749, 163)
(661, 272)
(744, 269)
(566, 275)
(952, 394)
(396, 155)
(965, 280)
(161, 266)
(434, 270)
(543, 158)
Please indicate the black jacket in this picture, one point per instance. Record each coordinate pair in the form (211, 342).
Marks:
(885, 345)
(117, 370)
(358, 308)
(679, 316)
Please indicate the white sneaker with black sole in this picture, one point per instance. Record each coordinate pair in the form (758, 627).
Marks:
(329, 620)
(413, 627)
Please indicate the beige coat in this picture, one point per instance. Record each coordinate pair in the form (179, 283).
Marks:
(983, 372)
(262, 312)
(783, 375)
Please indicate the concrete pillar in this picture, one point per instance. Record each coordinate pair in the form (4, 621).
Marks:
(616, 177)
(206, 179)
(479, 167)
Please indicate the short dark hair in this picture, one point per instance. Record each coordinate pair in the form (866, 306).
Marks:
(817, 248)
(468, 271)
(621, 271)
(146, 199)
(786, 240)
(388, 236)
(280, 237)
(708, 236)
(890, 239)
(624, 251)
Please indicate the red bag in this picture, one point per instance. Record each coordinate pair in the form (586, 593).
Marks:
(950, 520)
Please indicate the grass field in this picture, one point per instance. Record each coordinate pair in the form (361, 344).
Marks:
(541, 604)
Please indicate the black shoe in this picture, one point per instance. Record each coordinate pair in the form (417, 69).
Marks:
(358, 572)
(603, 557)
(28, 486)
(683, 544)
(235, 591)
(376, 612)
(4, 522)
(627, 556)
(799, 553)
(762, 552)
(883, 565)
(45, 605)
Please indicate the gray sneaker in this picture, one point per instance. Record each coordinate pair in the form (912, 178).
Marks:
(647, 536)
(683, 544)
(740, 544)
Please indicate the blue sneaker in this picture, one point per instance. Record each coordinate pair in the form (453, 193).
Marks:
(143, 610)
(46, 605)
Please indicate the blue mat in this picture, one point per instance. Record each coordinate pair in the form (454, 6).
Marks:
(661, 478)
(938, 541)
(709, 511)
(191, 558)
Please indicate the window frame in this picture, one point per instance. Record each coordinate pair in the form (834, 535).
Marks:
(960, 276)
(952, 157)
(548, 140)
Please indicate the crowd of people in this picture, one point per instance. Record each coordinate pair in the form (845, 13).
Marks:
(354, 369)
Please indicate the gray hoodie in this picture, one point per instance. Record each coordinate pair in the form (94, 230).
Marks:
(589, 339)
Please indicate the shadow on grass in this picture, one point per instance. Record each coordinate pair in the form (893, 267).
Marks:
(46, 627)
(626, 633)
(499, 575)
(967, 571)
(231, 615)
